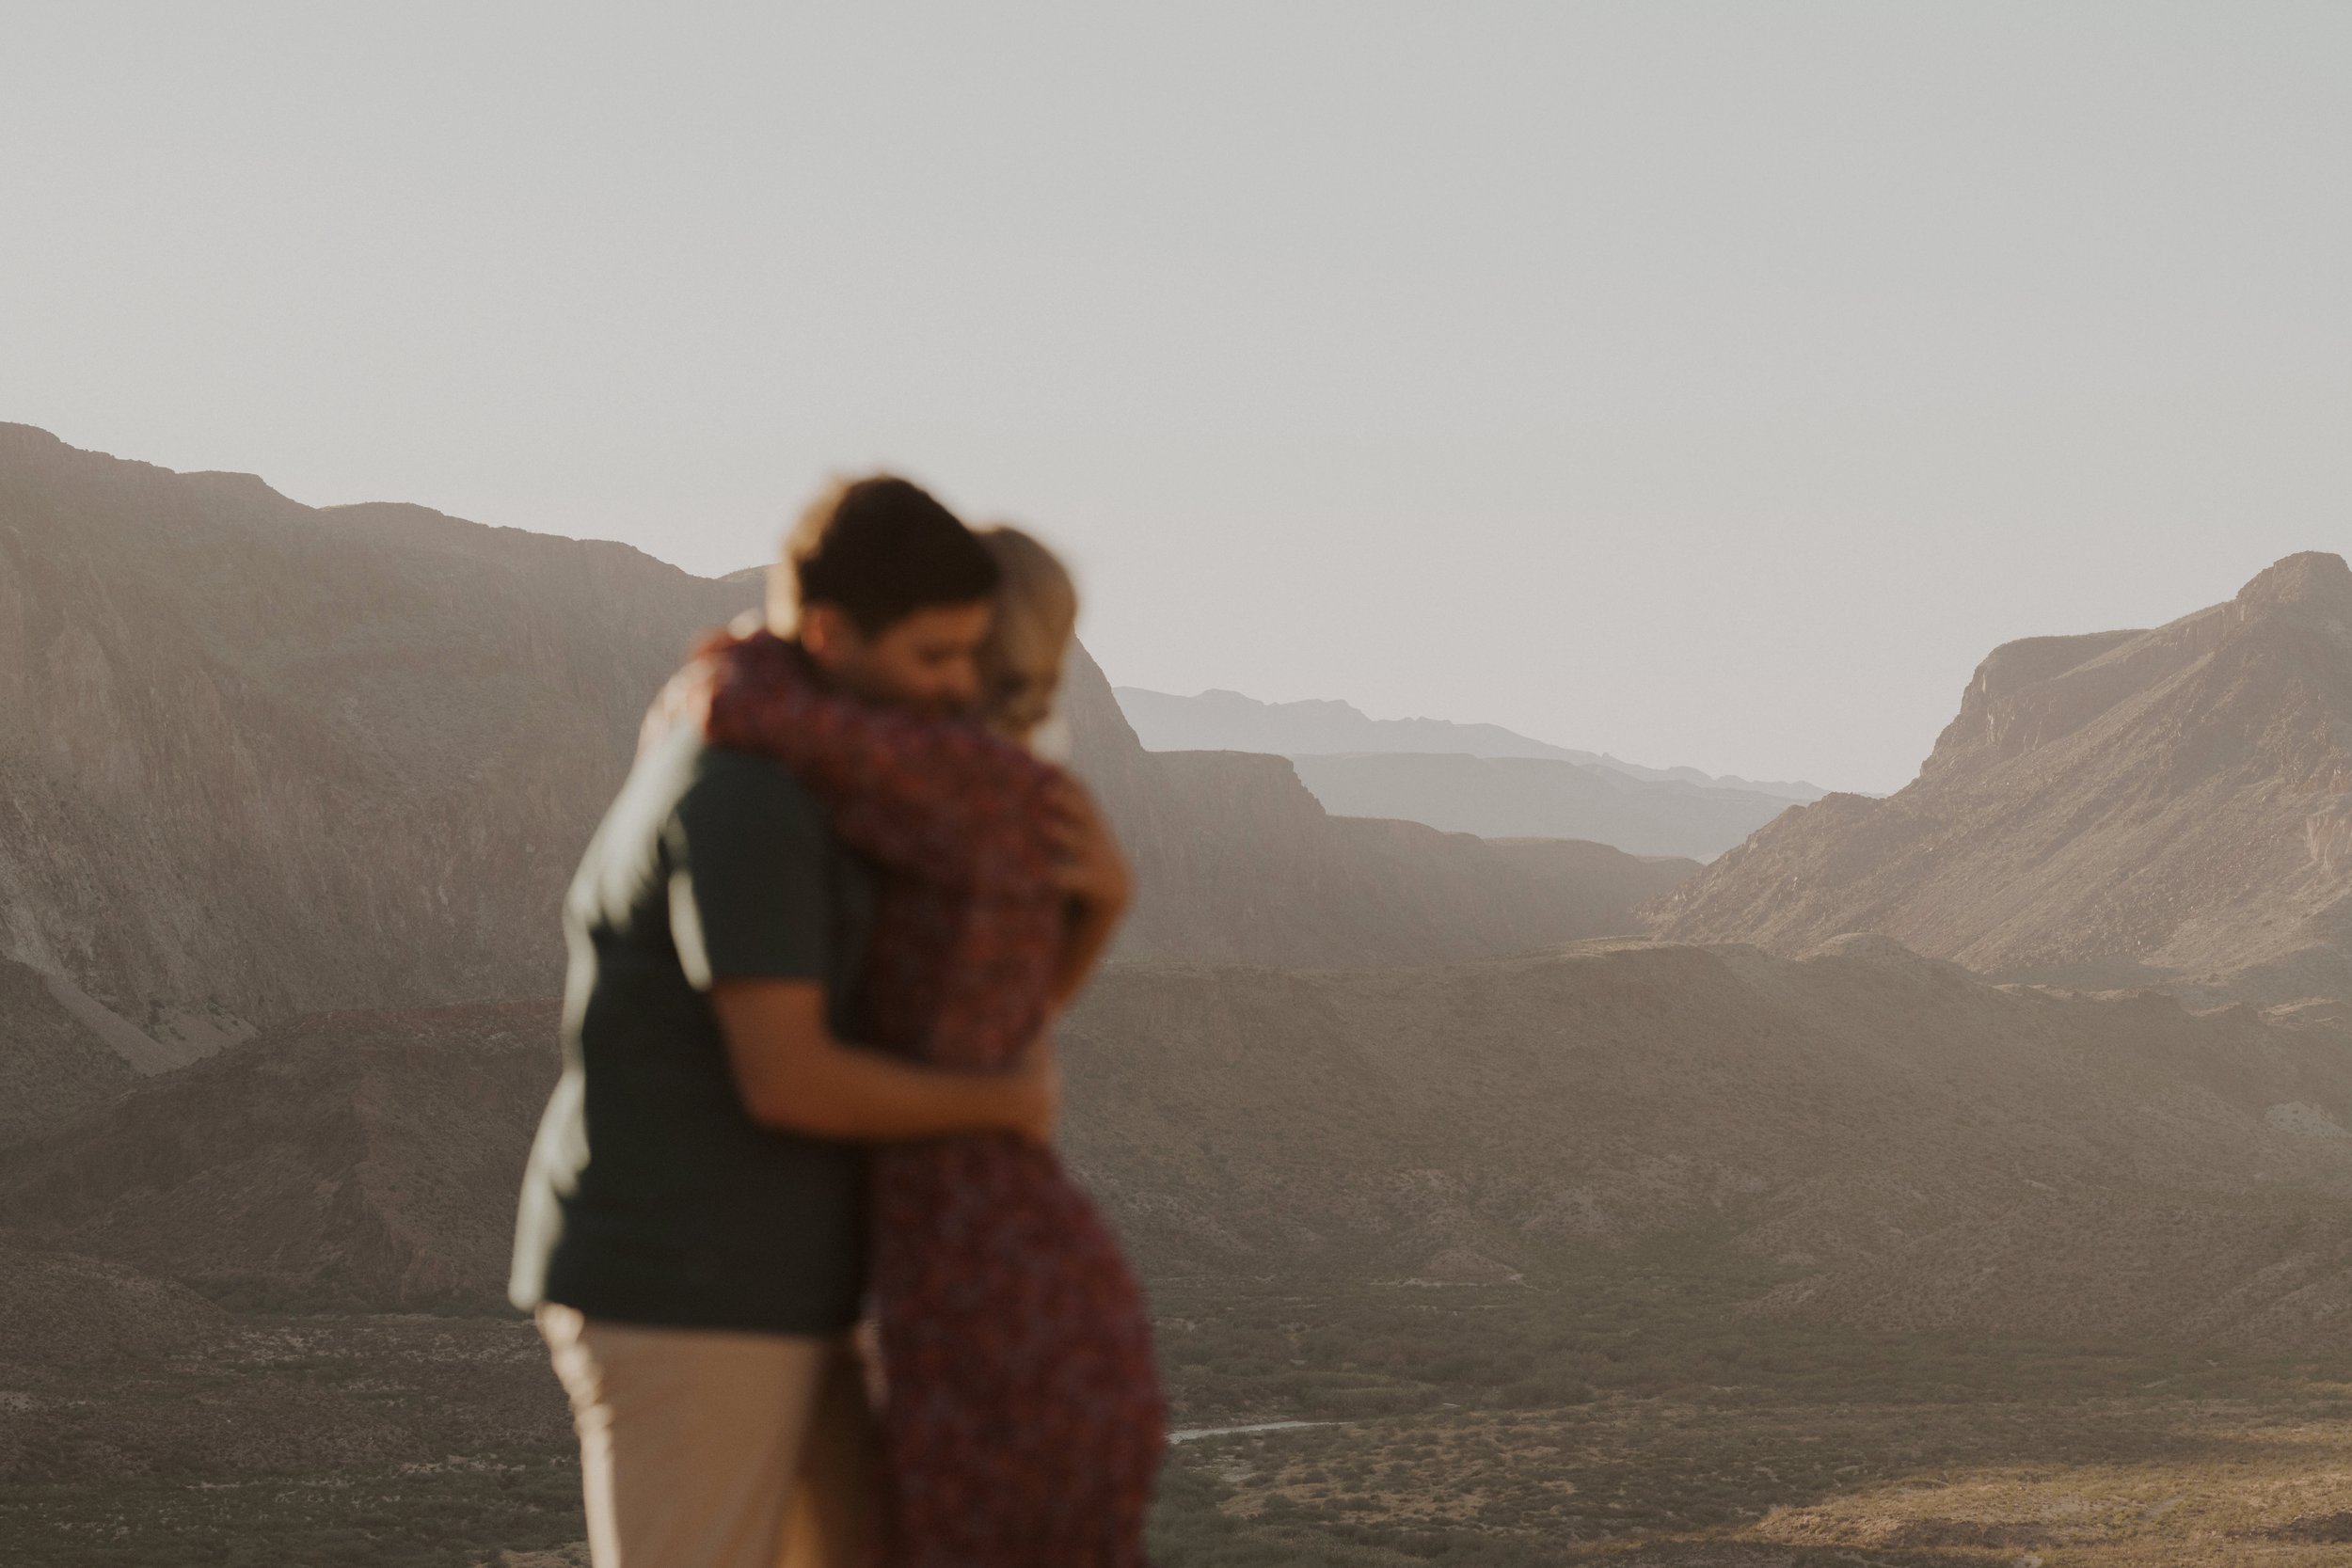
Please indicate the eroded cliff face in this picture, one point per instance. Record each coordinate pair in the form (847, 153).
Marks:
(262, 759)
(2169, 806)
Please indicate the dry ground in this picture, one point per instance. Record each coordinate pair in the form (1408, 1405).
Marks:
(2111, 1484)
(1630, 1421)
(1634, 1421)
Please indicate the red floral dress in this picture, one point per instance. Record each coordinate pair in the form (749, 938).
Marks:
(1023, 1423)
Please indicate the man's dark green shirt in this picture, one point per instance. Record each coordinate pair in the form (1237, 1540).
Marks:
(652, 1197)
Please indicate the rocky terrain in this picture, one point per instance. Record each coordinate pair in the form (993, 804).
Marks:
(1409, 1134)
(326, 744)
(264, 759)
(340, 1162)
(2123, 808)
(1914, 1147)
(1889, 1140)
(54, 1063)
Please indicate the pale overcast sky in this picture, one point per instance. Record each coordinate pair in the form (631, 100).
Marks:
(1710, 383)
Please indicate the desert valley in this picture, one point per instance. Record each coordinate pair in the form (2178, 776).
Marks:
(1534, 1157)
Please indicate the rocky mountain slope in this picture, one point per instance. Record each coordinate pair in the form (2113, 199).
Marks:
(1539, 798)
(1229, 721)
(262, 759)
(51, 1061)
(259, 760)
(2170, 806)
(1910, 1145)
(342, 1162)
(1893, 1141)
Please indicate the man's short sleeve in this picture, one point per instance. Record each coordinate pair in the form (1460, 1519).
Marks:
(749, 893)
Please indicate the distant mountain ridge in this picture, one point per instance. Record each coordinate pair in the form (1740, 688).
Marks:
(2163, 807)
(1221, 721)
(1238, 861)
(1466, 778)
(1539, 798)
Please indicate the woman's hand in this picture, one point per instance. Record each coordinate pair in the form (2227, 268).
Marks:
(1093, 875)
(1093, 869)
(1035, 1084)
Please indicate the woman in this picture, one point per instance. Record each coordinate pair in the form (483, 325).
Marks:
(1021, 1419)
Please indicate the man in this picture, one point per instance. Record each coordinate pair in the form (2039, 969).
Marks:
(691, 1230)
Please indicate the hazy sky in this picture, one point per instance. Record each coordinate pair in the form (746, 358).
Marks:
(1710, 383)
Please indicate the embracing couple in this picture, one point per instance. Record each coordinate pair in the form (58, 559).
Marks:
(793, 1229)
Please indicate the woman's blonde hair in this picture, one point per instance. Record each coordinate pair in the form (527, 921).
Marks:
(1037, 613)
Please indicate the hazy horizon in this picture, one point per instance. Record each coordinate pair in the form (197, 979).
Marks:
(1702, 384)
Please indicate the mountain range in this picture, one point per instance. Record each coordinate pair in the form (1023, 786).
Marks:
(1219, 720)
(1469, 777)
(264, 761)
(1538, 798)
(290, 794)
(1244, 864)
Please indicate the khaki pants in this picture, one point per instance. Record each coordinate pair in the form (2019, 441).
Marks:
(705, 1448)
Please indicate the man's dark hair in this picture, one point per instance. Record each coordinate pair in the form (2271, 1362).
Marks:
(881, 548)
